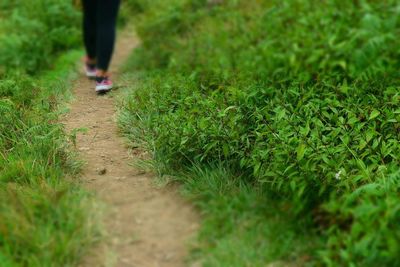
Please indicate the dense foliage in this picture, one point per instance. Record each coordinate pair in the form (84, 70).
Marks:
(300, 96)
(44, 218)
(32, 32)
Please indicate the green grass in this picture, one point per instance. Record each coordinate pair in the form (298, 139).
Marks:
(242, 225)
(46, 218)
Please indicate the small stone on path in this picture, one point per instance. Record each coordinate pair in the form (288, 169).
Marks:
(102, 171)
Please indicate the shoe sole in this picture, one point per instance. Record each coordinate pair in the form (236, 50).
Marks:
(91, 75)
(103, 88)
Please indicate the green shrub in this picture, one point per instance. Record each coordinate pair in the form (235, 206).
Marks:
(295, 140)
(35, 31)
(302, 96)
(370, 216)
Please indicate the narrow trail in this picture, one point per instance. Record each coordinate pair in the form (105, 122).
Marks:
(146, 226)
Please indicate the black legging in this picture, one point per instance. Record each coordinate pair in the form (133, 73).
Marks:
(99, 29)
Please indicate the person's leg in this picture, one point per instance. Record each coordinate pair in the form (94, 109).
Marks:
(107, 11)
(90, 28)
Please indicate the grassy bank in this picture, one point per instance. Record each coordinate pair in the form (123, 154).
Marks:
(45, 217)
(298, 101)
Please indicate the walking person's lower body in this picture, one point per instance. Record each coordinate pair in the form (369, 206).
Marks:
(99, 30)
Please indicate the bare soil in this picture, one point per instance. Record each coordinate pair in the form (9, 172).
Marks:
(146, 226)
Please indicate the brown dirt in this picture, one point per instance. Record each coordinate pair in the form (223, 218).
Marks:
(146, 226)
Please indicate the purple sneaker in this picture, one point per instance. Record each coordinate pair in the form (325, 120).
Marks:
(103, 84)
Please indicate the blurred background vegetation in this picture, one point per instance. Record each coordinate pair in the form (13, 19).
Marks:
(281, 112)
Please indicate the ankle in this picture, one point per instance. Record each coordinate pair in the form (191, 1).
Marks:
(90, 61)
(102, 73)
(100, 79)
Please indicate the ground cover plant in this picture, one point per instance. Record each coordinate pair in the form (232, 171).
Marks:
(299, 98)
(45, 218)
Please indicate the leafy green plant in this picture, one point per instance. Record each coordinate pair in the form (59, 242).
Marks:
(22, 44)
(299, 96)
(372, 236)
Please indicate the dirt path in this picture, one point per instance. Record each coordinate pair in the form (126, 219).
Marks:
(146, 226)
